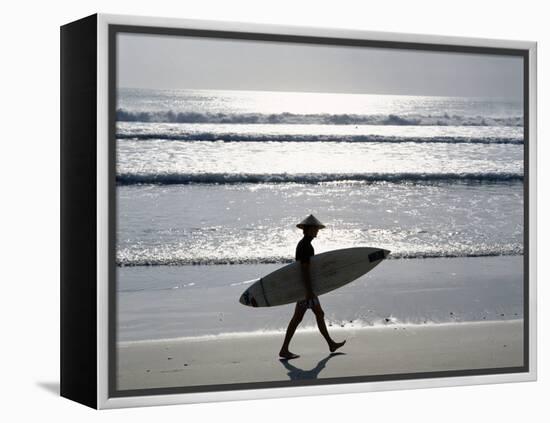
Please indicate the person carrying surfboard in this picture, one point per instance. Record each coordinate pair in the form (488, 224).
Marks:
(304, 251)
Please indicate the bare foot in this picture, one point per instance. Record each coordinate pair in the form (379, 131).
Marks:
(336, 345)
(287, 355)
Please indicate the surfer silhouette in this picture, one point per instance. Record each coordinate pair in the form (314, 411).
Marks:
(304, 251)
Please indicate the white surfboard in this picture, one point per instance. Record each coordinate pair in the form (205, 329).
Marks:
(329, 271)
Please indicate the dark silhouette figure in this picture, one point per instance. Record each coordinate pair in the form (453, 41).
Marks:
(304, 252)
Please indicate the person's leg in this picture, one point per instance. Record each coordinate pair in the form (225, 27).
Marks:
(299, 312)
(320, 317)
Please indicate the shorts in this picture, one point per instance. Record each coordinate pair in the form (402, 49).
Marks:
(308, 303)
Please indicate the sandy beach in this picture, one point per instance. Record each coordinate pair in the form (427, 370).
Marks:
(203, 300)
(394, 349)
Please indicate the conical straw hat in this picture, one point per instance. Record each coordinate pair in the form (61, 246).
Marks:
(310, 221)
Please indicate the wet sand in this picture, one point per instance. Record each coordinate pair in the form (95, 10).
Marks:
(392, 349)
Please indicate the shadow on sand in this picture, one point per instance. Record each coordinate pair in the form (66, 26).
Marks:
(295, 373)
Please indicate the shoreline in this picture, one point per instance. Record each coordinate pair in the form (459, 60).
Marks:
(304, 330)
(393, 349)
(183, 302)
(283, 261)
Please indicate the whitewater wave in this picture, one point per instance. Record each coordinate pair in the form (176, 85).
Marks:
(130, 260)
(310, 178)
(238, 137)
(443, 119)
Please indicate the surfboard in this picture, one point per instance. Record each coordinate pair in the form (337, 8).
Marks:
(329, 271)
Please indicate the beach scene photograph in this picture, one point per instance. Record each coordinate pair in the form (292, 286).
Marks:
(293, 214)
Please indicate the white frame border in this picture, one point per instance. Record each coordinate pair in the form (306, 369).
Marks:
(103, 401)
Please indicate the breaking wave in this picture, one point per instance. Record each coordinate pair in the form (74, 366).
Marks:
(310, 178)
(443, 119)
(140, 259)
(238, 137)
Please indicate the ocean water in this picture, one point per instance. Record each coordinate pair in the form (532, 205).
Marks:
(210, 186)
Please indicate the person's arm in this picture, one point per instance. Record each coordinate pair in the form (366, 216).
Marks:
(306, 279)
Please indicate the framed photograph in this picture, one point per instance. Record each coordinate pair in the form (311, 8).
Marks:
(256, 211)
